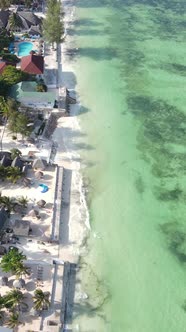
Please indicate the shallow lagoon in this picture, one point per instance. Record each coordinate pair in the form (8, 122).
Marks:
(131, 77)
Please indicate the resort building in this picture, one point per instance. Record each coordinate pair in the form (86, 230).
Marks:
(32, 64)
(26, 93)
(28, 20)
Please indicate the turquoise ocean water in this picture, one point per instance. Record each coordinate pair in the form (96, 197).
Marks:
(131, 79)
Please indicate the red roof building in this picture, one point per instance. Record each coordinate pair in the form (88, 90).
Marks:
(4, 64)
(32, 64)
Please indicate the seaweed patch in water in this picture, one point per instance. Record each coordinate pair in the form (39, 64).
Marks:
(169, 195)
(175, 68)
(176, 239)
(139, 184)
(162, 124)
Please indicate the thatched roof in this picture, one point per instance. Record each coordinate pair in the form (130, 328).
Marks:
(2, 250)
(39, 164)
(17, 162)
(41, 203)
(25, 169)
(3, 217)
(33, 213)
(5, 153)
(26, 182)
(19, 283)
(6, 161)
(34, 30)
(21, 227)
(4, 281)
(39, 175)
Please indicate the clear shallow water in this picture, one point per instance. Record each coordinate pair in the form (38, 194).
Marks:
(24, 48)
(131, 77)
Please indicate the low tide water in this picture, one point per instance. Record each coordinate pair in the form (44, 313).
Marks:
(131, 76)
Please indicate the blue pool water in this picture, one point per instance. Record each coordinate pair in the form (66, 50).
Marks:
(24, 48)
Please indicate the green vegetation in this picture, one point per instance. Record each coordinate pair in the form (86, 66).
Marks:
(12, 75)
(13, 320)
(18, 124)
(15, 153)
(10, 204)
(53, 27)
(14, 21)
(4, 4)
(13, 299)
(12, 260)
(41, 87)
(41, 300)
(13, 174)
(10, 58)
(5, 39)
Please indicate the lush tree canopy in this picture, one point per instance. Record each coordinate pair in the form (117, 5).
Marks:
(11, 260)
(12, 75)
(4, 4)
(53, 27)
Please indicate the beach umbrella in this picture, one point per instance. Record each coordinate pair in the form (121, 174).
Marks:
(33, 213)
(39, 175)
(26, 182)
(4, 281)
(19, 283)
(41, 203)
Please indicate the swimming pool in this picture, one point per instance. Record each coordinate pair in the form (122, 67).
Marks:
(24, 48)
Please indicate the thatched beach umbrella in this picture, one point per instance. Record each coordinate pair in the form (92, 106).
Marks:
(39, 175)
(4, 281)
(41, 203)
(33, 213)
(17, 162)
(19, 283)
(39, 164)
(26, 182)
(2, 250)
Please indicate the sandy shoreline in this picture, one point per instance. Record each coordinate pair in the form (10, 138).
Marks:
(74, 220)
(65, 135)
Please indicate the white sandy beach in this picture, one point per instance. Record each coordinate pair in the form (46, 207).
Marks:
(74, 223)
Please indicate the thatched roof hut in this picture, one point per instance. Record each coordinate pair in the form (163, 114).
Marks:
(21, 227)
(5, 161)
(39, 175)
(26, 182)
(3, 217)
(4, 281)
(2, 250)
(41, 203)
(17, 162)
(33, 213)
(25, 169)
(39, 164)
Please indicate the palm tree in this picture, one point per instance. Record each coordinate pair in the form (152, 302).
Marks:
(41, 300)
(13, 320)
(7, 203)
(7, 108)
(2, 170)
(14, 21)
(5, 111)
(2, 305)
(11, 261)
(23, 201)
(13, 299)
(15, 153)
(21, 270)
(13, 174)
